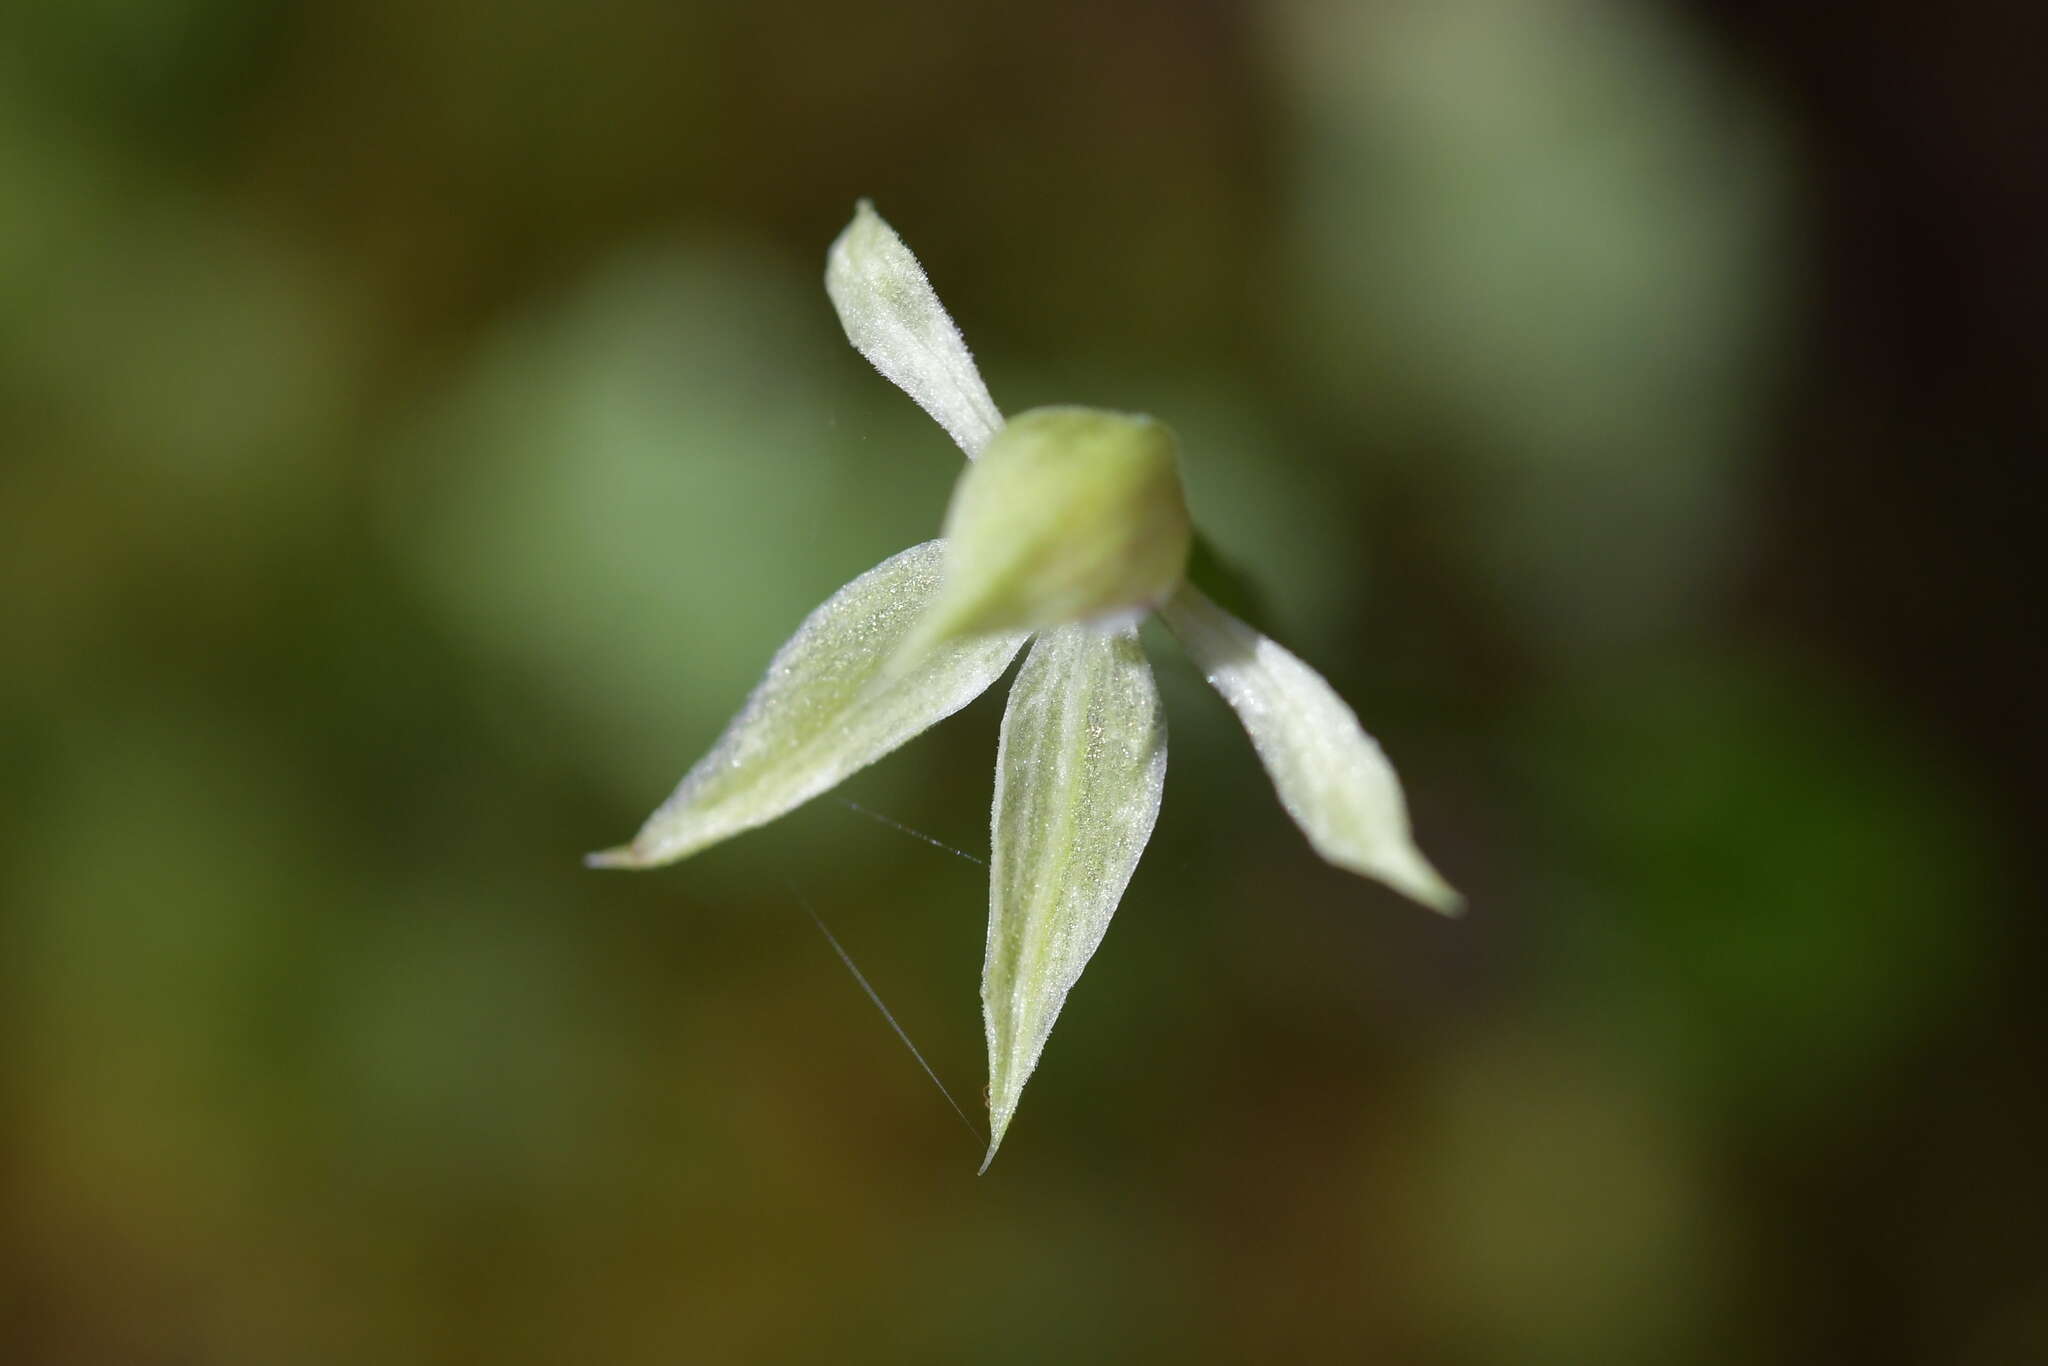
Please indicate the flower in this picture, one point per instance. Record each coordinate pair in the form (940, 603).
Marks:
(1068, 527)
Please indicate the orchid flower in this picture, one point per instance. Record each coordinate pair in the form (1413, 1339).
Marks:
(1066, 528)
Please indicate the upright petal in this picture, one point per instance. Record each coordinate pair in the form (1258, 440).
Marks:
(894, 319)
(1331, 775)
(1078, 776)
(825, 710)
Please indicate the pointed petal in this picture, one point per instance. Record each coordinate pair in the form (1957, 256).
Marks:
(894, 319)
(1331, 775)
(1078, 776)
(824, 711)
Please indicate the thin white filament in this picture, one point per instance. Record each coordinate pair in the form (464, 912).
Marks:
(913, 833)
(872, 995)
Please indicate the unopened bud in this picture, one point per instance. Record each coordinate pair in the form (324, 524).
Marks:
(1070, 514)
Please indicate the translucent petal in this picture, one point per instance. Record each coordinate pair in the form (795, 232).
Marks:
(1078, 776)
(825, 710)
(1331, 775)
(894, 319)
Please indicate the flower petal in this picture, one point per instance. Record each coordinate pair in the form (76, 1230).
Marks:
(825, 710)
(1331, 775)
(893, 318)
(1078, 776)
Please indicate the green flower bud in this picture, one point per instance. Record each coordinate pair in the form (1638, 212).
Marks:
(1070, 514)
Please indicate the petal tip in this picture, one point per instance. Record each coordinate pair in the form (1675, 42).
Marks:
(624, 856)
(1411, 875)
(1445, 900)
(997, 1127)
(1419, 881)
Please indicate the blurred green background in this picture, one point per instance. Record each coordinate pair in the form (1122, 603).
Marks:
(423, 418)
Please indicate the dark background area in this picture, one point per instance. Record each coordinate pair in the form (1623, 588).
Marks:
(423, 419)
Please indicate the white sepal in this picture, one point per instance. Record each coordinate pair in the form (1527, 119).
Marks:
(1078, 777)
(824, 711)
(1331, 775)
(893, 318)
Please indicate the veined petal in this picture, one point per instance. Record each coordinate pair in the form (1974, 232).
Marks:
(1078, 776)
(892, 316)
(1331, 775)
(825, 710)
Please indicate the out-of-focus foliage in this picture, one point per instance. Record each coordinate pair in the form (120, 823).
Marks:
(424, 420)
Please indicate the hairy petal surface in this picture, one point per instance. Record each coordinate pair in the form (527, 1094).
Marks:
(1078, 777)
(1331, 775)
(825, 710)
(893, 317)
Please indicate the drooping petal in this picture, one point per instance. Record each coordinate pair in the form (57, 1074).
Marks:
(1331, 775)
(824, 711)
(892, 316)
(1078, 777)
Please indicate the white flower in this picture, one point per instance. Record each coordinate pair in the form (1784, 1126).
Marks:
(1071, 528)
